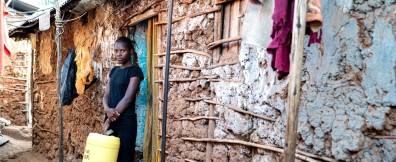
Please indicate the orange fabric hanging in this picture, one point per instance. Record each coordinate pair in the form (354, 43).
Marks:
(314, 15)
(84, 71)
(3, 35)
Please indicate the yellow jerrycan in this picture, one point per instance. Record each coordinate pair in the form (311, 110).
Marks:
(101, 148)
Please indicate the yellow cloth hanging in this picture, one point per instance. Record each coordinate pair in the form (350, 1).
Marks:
(84, 71)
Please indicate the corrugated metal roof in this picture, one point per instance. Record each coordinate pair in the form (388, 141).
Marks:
(19, 22)
(22, 6)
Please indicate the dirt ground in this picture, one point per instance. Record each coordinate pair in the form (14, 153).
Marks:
(13, 148)
(29, 157)
(19, 146)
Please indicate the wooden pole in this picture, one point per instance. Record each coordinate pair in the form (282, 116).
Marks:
(166, 81)
(294, 91)
(220, 42)
(29, 83)
(59, 25)
(211, 128)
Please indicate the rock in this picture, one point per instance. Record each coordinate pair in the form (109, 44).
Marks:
(238, 123)
(5, 121)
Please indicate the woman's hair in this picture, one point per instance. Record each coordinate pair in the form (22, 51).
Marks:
(130, 45)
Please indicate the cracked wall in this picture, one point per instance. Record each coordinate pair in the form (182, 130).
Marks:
(348, 85)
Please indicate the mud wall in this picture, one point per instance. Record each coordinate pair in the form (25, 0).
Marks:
(93, 34)
(347, 107)
(13, 83)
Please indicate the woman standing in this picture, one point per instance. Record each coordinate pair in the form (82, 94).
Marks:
(120, 96)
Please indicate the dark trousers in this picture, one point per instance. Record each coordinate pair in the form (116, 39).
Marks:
(125, 129)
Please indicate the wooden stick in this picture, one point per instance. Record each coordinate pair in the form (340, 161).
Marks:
(232, 107)
(18, 102)
(220, 42)
(179, 67)
(43, 82)
(16, 89)
(384, 137)
(211, 128)
(199, 118)
(42, 129)
(214, 80)
(161, 151)
(210, 10)
(13, 78)
(223, 64)
(40, 112)
(265, 147)
(166, 136)
(225, 80)
(209, 77)
(186, 51)
(190, 160)
(219, 2)
(141, 11)
(18, 85)
(294, 89)
(315, 156)
(177, 80)
(143, 16)
(250, 113)
(197, 99)
(217, 35)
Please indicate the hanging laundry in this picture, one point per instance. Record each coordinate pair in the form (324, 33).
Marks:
(314, 21)
(69, 70)
(281, 36)
(85, 74)
(282, 29)
(256, 2)
(3, 35)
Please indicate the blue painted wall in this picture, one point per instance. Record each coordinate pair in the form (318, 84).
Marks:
(140, 37)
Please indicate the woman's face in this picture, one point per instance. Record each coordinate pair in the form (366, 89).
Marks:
(123, 54)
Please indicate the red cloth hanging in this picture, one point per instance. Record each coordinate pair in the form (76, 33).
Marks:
(3, 35)
(282, 30)
(281, 35)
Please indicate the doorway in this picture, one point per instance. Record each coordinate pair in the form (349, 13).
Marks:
(145, 37)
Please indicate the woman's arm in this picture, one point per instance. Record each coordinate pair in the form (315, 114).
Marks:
(111, 113)
(130, 95)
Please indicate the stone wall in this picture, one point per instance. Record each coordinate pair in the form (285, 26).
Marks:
(348, 100)
(348, 86)
(13, 83)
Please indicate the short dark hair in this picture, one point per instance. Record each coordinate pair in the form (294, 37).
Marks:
(130, 45)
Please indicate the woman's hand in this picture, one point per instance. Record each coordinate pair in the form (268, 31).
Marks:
(106, 126)
(112, 114)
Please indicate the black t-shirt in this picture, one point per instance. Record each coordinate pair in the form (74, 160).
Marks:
(119, 81)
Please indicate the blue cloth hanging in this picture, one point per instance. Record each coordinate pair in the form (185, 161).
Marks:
(68, 78)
